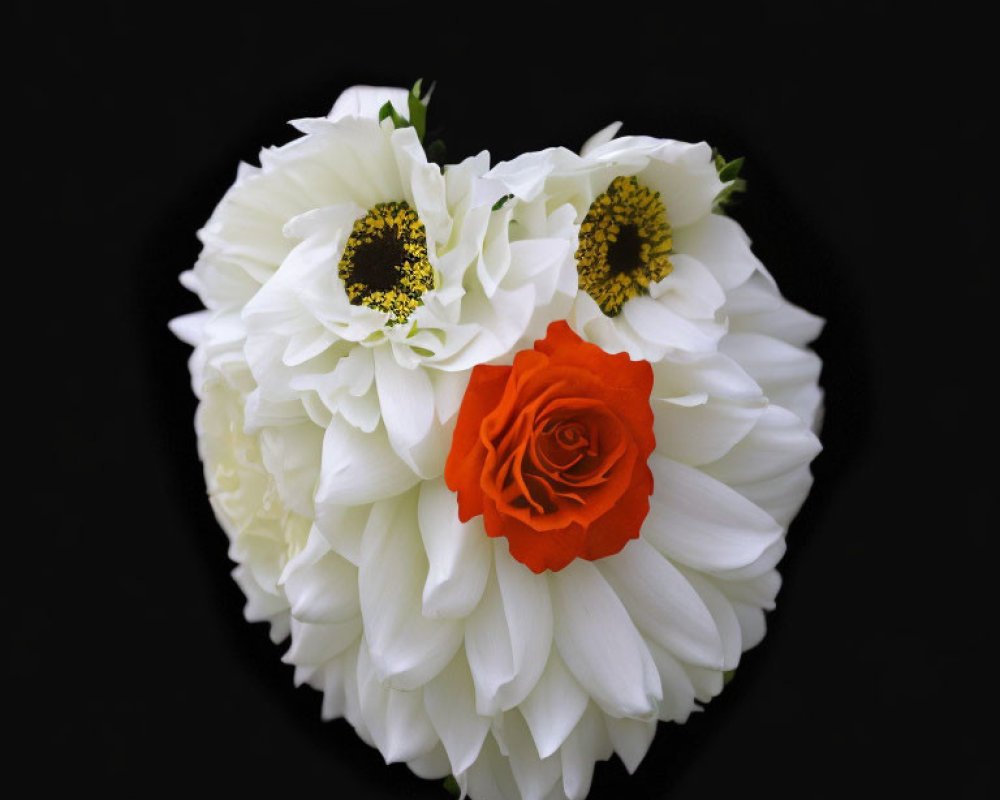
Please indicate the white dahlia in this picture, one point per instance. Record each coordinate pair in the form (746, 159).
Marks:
(524, 496)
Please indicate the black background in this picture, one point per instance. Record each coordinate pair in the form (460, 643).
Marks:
(130, 667)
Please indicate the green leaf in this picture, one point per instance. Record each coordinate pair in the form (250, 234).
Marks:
(422, 351)
(388, 110)
(729, 172)
(451, 786)
(418, 110)
(501, 202)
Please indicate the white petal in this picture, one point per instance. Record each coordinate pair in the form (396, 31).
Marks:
(707, 682)
(528, 609)
(407, 401)
(663, 604)
(760, 591)
(487, 645)
(778, 443)
(314, 645)
(678, 691)
(723, 615)
(459, 553)
(359, 468)
(656, 323)
(406, 648)
(535, 777)
(367, 101)
(631, 739)
(758, 307)
(720, 244)
(787, 374)
(340, 681)
(702, 433)
(450, 700)
(263, 606)
(761, 566)
(291, 454)
(342, 527)
(603, 136)
(599, 643)
(449, 389)
(554, 706)
(752, 624)
(188, 328)
(701, 522)
(324, 592)
(431, 766)
(690, 289)
(589, 742)
(782, 496)
(509, 635)
(490, 778)
(396, 720)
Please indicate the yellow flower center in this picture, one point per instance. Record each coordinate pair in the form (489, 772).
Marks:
(385, 264)
(624, 246)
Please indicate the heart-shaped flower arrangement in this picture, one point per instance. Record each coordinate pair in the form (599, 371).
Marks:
(509, 454)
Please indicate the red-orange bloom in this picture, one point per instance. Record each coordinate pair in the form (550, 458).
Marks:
(552, 451)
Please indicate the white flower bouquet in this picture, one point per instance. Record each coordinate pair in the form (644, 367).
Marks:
(508, 454)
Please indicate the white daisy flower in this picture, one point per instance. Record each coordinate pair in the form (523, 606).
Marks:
(661, 276)
(360, 284)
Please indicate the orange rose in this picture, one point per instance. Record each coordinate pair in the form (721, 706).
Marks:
(552, 451)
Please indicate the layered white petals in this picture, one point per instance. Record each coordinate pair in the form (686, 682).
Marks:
(324, 431)
(396, 720)
(509, 634)
(787, 374)
(459, 554)
(535, 777)
(631, 739)
(407, 649)
(554, 706)
(588, 743)
(359, 468)
(450, 700)
(703, 523)
(662, 603)
(600, 644)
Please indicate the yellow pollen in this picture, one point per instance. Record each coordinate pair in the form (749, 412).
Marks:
(624, 244)
(385, 265)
